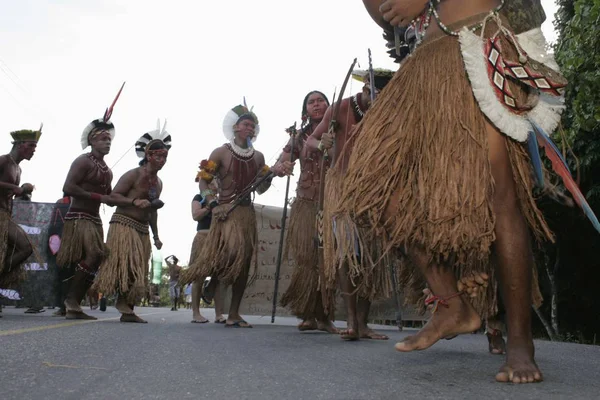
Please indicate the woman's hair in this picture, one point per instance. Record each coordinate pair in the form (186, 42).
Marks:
(304, 103)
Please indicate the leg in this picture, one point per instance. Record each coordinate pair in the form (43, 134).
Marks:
(196, 315)
(17, 240)
(362, 314)
(238, 288)
(350, 296)
(323, 322)
(82, 280)
(219, 300)
(457, 316)
(514, 255)
(493, 331)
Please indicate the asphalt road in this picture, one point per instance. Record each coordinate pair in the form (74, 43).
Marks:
(44, 357)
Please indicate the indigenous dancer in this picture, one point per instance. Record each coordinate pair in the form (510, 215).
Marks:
(449, 181)
(202, 214)
(231, 245)
(525, 17)
(303, 295)
(15, 246)
(125, 270)
(88, 183)
(359, 290)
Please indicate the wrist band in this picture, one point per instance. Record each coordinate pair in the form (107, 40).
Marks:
(320, 145)
(96, 196)
(133, 201)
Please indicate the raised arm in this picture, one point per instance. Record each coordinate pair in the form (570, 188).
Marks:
(372, 7)
(284, 165)
(313, 141)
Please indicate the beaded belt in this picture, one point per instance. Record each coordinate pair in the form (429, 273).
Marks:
(75, 214)
(130, 222)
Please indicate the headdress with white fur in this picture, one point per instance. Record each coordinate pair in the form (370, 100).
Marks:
(102, 123)
(147, 139)
(232, 118)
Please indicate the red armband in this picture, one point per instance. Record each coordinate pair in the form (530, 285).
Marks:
(96, 196)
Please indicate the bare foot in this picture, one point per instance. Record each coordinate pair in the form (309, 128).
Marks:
(520, 366)
(349, 334)
(368, 333)
(72, 305)
(132, 318)
(122, 306)
(307, 325)
(459, 317)
(78, 315)
(327, 326)
(199, 319)
(496, 344)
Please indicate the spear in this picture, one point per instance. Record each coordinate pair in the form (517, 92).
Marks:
(292, 131)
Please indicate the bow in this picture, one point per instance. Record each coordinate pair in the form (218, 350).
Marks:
(333, 125)
(336, 112)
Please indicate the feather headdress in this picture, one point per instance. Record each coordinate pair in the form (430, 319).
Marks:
(101, 123)
(234, 115)
(27, 135)
(147, 139)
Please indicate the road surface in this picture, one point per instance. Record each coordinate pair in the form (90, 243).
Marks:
(170, 358)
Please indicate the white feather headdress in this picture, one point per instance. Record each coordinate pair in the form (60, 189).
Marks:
(157, 135)
(233, 117)
(103, 123)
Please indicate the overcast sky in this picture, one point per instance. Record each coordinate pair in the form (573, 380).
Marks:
(62, 62)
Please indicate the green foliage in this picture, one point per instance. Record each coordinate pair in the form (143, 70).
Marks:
(577, 51)
(578, 54)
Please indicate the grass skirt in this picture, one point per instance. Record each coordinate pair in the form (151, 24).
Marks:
(230, 248)
(347, 245)
(189, 275)
(423, 146)
(125, 270)
(77, 235)
(10, 278)
(303, 295)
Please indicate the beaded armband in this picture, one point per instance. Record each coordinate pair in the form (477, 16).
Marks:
(207, 171)
(207, 192)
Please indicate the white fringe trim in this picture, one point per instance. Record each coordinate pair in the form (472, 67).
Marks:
(535, 45)
(546, 113)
